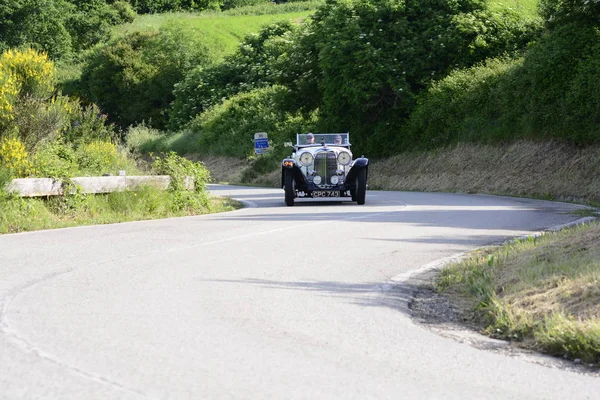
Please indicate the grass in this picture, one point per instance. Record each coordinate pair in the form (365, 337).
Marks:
(28, 214)
(222, 31)
(525, 8)
(543, 293)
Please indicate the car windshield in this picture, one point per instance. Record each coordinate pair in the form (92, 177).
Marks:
(341, 139)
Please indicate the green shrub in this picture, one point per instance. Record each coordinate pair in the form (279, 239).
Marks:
(39, 24)
(40, 121)
(229, 128)
(132, 79)
(250, 67)
(6, 176)
(124, 13)
(180, 169)
(468, 105)
(99, 158)
(582, 100)
(59, 27)
(559, 12)
(55, 159)
(266, 8)
(551, 93)
(87, 124)
(139, 138)
(549, 69)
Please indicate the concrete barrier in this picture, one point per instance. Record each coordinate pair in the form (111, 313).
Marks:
(36, 187)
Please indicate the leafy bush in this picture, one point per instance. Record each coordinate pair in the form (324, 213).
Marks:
(124, 13)
(582, 100)
(474, 104)
(38, 121)
(59, 27)
(549, 70)
(180, 169)
(132, 79)
(250, 67)
(229, 128)
(55, 159)
(265, 8)
(37, 23)
(139, 138)
(88, 124)
(99, 158)
(552, 92)
(558, 12)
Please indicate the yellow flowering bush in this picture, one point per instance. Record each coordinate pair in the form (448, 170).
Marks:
(14, 157)
(32, 70)
(8, 93)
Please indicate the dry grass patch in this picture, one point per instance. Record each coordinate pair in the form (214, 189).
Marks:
(542, 292)
(548, 170)
(223, 169)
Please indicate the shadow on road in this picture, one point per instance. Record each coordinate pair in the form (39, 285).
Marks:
(368, 294)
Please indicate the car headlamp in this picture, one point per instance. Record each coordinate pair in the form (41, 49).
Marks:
(334, 180)
(317, 180)
(344, 158)
(306, 158)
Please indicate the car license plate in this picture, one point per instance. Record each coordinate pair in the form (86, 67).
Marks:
(326, 193)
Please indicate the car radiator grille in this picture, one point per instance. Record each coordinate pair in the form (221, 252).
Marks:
(326, 166)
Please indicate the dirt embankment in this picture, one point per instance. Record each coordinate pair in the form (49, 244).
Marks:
(548, 170)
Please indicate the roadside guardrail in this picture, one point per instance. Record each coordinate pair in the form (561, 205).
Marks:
(38, 187)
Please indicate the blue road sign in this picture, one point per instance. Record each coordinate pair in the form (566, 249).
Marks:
(261, 145)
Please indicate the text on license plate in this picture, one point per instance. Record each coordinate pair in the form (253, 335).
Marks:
(326, 193)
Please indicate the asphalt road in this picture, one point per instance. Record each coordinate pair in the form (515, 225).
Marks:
(267, 302)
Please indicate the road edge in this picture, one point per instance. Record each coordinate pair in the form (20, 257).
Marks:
(419, 282)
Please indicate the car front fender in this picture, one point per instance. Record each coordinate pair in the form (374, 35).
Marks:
(289, 164)
(358, 164)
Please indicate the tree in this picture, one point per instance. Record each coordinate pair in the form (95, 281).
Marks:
(132, 79)
(372, 57)
(558, 12)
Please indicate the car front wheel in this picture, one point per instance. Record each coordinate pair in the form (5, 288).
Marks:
(289, 188)
(361, 187)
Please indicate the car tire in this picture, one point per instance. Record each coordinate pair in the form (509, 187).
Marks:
(361, 186)
(290, 188)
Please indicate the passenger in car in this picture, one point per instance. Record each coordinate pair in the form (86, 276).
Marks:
(337, 140)
(310, 138)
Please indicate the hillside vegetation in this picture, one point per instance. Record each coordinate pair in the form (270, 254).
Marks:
(475, 96)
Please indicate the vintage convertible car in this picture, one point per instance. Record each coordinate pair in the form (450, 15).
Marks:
(322, 166)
